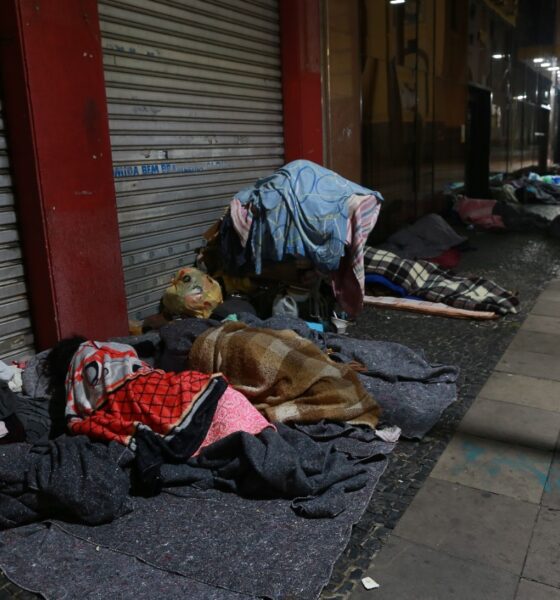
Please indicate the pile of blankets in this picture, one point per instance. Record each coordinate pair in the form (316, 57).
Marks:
(163, 417)
(426, 280)
(518, 202)
(304, 210)
(191, 427)
(243, 515)
(534, 189)
(410, 391)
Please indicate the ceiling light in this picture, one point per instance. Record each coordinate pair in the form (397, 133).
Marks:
(538, 60)
(397, 1)
(521, 97)
(498, 56)
(545, 64)
(553, 68)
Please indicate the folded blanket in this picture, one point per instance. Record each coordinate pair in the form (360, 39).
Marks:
(286, 376)
(426, 280)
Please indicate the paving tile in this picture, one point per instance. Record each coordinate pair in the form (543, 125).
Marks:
(520, 389)
(409, 571)
(550, 293)
(512, 423)
(541, 324)
(551, 496)
(515, 471)
(543, 558)
(469, 523)
(532, 341)
(546, 307)
(553, 285)
(531, 364)
(531, 590)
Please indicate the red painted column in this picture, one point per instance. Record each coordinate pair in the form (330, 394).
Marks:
(55, 108)
(300, 31)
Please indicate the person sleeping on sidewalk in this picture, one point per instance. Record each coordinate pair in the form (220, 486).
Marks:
(112, 395)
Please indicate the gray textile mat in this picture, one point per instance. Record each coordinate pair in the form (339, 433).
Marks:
(254, 547)
(47, 559)
(411, 392)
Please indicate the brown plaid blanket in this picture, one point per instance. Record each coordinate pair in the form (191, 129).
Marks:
(426, 280)
(285, 376)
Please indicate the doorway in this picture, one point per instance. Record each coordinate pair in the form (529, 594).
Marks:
(477, 167)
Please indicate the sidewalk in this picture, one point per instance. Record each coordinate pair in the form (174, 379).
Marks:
(486, 524)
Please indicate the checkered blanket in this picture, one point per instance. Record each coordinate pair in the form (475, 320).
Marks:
(427, 280)
(286, 377)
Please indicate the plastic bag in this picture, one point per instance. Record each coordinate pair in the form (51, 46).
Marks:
(192, 293)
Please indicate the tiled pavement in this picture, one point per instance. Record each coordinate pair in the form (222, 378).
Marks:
(486, 524)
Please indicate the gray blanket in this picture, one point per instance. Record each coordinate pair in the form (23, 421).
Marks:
(427, 238)
(203, 542)
(412, 392)
(206, 543)
(69, 476)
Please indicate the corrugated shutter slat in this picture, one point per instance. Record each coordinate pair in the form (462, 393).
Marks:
(16, 338)
(195, 108)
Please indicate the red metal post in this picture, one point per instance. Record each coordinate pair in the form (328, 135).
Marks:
(300, 31)
(55, 107)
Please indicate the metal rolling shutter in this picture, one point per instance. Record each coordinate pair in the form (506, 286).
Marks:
(195, 108)
(16, 338)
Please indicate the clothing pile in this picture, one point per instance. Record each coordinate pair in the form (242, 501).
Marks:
(533, 188)
(303, 211)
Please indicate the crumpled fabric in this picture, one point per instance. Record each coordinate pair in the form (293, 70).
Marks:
(11, 375)
(70, 477)
(411, 392)
(285, 376)
(285, 463)
(476, 211)
(224, 546)
(429, 282)
(35, 379)
(98, 369)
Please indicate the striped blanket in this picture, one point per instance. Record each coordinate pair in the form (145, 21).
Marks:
(286, 377)
(426, 280)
